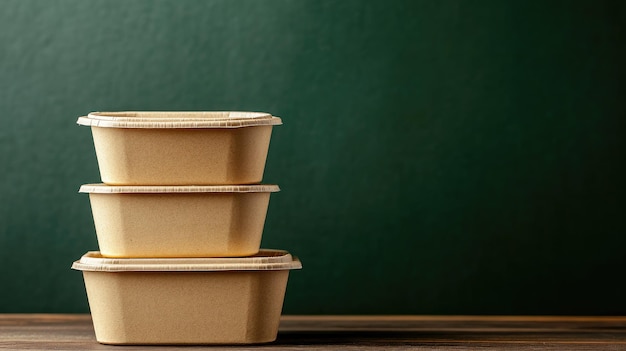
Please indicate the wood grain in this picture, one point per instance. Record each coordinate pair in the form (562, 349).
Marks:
(75, 332)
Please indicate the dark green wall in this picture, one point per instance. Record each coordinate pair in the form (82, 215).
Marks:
(435, 157)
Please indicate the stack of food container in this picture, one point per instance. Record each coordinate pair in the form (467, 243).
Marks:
(179, 219)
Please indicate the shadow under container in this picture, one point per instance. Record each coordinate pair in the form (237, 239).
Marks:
(187, 300)
(181, 148)
(179, 221)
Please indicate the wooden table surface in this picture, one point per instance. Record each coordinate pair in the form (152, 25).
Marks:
(75, 332)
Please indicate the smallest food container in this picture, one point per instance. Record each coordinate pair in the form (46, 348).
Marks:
(181, 147)
(186, 300)
(179, 221)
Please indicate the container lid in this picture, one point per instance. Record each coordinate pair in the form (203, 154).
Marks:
(265, 260)
(178, 119)
(150, 189)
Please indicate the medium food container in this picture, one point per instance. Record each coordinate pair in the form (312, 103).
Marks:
(181, 148)
(186, 300)
(179, 221)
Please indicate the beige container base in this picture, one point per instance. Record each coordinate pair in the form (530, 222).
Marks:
(186, 307)
(182, 221)
(181, 156)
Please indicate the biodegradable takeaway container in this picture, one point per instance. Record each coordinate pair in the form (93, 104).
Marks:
(181, 148)
(186, 300)
(179, 221)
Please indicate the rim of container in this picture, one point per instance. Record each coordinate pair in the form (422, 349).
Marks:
(176, 115)
(101, 188)
(238, 120)
(264, 260)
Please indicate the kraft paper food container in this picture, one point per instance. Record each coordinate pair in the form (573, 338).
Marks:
(186, 300)
(179, 221)
(181, 148)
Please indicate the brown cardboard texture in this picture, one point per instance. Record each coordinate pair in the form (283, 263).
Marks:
(140, 149)
(187, 301)
(179, 221)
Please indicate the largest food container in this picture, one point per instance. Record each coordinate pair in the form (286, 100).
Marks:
(181, 148)
(186, 300)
